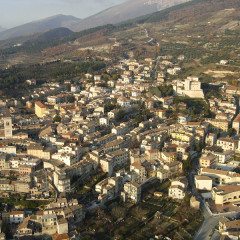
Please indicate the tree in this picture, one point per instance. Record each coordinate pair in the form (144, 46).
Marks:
(118, 212)
(57, 118)
(231, 132)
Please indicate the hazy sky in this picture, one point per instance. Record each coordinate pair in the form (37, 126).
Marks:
(17, 12)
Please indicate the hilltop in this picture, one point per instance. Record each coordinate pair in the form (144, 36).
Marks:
(40, 26)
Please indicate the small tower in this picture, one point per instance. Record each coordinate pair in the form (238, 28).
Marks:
(7, 127)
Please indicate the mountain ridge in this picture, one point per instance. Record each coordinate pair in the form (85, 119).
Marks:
(40, 26)
(125, 11)
(113, 15)
(2, 29)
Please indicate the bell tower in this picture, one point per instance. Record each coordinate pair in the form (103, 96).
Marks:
(7, 127)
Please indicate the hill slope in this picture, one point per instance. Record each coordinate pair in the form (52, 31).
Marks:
(40, 26)
(179, 25)
(2, 29)
(127, 10)
(194, 10)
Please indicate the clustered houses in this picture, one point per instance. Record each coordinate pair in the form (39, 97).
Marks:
(56, 219)
(75, 131)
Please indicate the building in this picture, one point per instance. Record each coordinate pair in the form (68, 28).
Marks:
(226, 194)
(8, 131)
(211, 139)
(220, 176)
(38, 151)
(203, 183)
(40, 109)
(139, 172)
(207, 160)
(229, 228)
(227, 144)
(194, 203)
(108, 188)
(236, 123)
(61, 181)
(132, 191)
(191, 87)
(177, 189)
(16, 217)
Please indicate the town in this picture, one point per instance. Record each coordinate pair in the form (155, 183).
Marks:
(124, 125)
(74, 148)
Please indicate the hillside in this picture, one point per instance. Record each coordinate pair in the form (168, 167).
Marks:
(188, 12)
(127, 10)
(40, 26)
(2, 29)
(191, 28)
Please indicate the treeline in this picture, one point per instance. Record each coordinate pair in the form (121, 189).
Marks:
(52, 38)
(57, 70)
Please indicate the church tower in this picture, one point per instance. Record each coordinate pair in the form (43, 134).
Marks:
(8, 127)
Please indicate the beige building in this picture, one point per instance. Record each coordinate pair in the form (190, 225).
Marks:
(139, 171)
(39, 152)
(226, 194)
(194, 203)
(229, 228)
(211, 139)
(207, 160)
(177, 189)
(108, 188)
(220, 177)
(132, 191)
(227, 144)
(203, 183)
(40, 109)
(219, 124)
(236, 123)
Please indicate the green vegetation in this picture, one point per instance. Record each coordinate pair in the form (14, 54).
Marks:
(154, 216)
(57, 119)
(21, 201)
(162, 91)
(196, 108)
(17, 75)
(52, 38)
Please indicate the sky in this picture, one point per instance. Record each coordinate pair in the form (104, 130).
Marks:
(18, 12)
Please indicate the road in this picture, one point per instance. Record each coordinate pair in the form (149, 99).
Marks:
(210, 223)
(207, 230)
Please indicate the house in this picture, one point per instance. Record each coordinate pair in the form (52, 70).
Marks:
(24, 228)
(62, 181)
(207, 160)
(39, 151)
(229, 228)
(109, 188)
(166, 101)
(115, 160)
(236, 123)
(191, 87)
(211, 139)
(160, 113)
(177, 190)
(124, 102)
(16, 217)
(203, 183)
(218, 124)
(194, 203)
(138, 171)
(103, 121)
(132, 191)
(227, 144)
(226, 194)
(220, 176)
(40, 109)
(167, 171)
